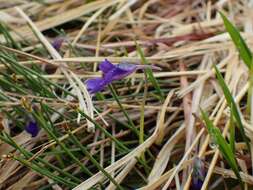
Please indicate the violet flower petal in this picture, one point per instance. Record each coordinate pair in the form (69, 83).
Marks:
(106, 66)
(32, 128)
(127, 66)
(57, 43)
(120, 71)
(197, 184)
(95, 85)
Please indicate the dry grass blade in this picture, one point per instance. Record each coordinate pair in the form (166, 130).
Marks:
(60, 19)
(163, 157)
(160, 120)
(147, 133)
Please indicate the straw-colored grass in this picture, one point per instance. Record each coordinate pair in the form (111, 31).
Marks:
(184, 38)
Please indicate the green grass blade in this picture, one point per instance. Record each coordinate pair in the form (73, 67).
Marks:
(7, 139)
(44, 172)
(115, 96)
(230, 101)
(232, 131)
(93, 160)
(28, 73)
(120, 145)
(245, 54)
(149, 72)
(223, 146)
(46, 126)
(239, 42)
(9, 40)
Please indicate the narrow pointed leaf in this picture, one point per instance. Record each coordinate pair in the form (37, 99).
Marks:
(223, 146)
(230, 101)
(239, 42)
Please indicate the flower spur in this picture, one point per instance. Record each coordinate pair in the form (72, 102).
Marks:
(111, 73)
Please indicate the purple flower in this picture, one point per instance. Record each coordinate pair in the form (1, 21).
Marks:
(198, 174)
(197, 184)
(111, 73)
(57, 43)
(32, 128)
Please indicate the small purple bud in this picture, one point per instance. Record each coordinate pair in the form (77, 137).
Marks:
(57, 43)
(32, 128)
